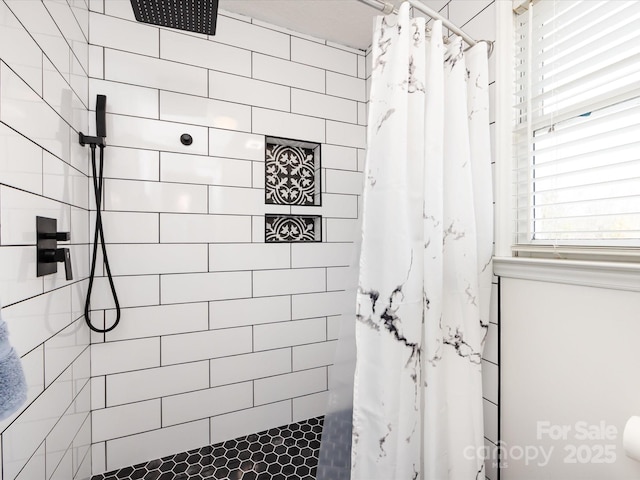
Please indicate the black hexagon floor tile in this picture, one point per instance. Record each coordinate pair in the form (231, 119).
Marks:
(284, 453)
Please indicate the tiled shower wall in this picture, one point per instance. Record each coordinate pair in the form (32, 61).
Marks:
(43, 172)
(221, 335)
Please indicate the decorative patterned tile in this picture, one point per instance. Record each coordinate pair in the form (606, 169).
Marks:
(292, 228)
(292, 172)
(279, 453)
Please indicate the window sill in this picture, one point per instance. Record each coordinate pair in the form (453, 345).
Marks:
(610, 275)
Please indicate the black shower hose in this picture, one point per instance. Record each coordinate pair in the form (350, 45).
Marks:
(98, 181)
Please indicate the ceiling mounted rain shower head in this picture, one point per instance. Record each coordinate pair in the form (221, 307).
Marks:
(192, 15)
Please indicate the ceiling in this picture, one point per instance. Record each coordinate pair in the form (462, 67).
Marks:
(347, 22)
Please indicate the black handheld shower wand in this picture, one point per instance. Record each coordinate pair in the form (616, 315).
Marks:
(98, 237)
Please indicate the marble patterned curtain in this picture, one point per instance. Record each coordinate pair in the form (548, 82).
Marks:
(425, 263)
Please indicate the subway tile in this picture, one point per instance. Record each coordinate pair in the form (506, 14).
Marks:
(310, 406)
(96, 61)
(131, 163)
(461, 11)
(98, 392)
(125, 99)
(239, 201)
(152, 72)
(18, 210)
(196, 287)
(117, 9)
(362, 157)
(314, 355)
(156, 382)
(126, 195)
(244, 35)
(363, 113)
(23, 110)
(322, 304)
(249, 257)
(257, 225)
(287, 334)
(204, 53)
(322, 56)
(272, 389)
(155, 134)
(284, 72)
(206, 403)
(38, 319)
(189, 347)
(191, 228)
(258, 174)
(63, 348)
(333, 206)
(145, 259)
(63, 469)
(346, 134)
(240, 368)
(230, 144)
(490, 381)
(134, 291)
(346, 87)
(120, 34)
(27, 173)
(63, 16)
(160, 320)
(334, 326)
(114, 422)
(282, 282)
(139, 448)
(34, 468)
(342, 278)
(79, 226)
(36, 20)
(128, 227)
(490, 412)
(491, 344)
(344, 158)
(341, 181)
(249, 311)
(64, 183)
(22, 438)
(183, 168)
(355, 51)
(59, 440)
(244, 422)
(177, 107)
(18, 279)
(124, 356)
(325, 106)
(362, 69)
(248, 91)
(321, 254)
(19, 50)
(289, 125)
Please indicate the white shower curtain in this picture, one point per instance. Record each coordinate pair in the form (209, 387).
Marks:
(425, 264)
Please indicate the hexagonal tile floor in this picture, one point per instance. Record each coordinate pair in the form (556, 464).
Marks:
(283, 453)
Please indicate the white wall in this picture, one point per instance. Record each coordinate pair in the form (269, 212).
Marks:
(569, 354)
(43, 172)
(221, 334)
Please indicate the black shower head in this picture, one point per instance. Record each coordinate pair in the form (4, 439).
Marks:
(192, 15)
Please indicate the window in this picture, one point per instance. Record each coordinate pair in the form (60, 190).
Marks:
(577, 124)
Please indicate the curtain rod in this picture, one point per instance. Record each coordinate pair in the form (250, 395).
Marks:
(388, 8)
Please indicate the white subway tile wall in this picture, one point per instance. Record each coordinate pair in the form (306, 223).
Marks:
(210, 312)
(44, 51)
(208, 331)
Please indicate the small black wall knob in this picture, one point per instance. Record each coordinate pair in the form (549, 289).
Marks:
(186, 139)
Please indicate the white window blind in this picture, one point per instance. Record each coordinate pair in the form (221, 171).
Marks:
(577, 124)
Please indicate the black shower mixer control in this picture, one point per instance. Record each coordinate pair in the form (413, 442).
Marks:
(48, 253)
